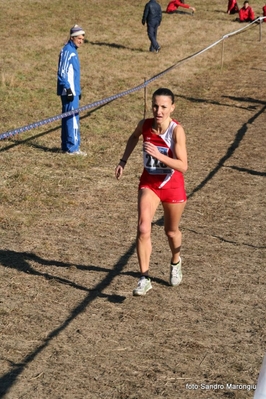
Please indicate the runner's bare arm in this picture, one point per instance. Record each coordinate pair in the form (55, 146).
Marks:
(131, 144)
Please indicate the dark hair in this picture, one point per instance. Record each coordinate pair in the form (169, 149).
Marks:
(164, 92)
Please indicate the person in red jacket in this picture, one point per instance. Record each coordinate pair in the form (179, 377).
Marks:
(246, 13)
(174, 4)
(232, 7)
(264, 12)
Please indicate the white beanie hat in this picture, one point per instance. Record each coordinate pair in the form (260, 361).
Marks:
(76, 31)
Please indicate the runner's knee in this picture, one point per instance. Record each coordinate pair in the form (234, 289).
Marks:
(170, 233)
(144, 229)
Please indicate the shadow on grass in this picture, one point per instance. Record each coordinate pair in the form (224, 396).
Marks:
(230, 151)
(222, 239)
(115, 45)
(20, 261)
(191, 14)
(235, 144)
(28, 141)
(223, 12)
(204, 101)
(249, 171)
(16, 143)
(246, 99)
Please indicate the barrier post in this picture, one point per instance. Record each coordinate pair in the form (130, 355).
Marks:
(145, 99)
(222, 57)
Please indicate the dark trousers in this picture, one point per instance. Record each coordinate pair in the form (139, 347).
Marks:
(152, 34)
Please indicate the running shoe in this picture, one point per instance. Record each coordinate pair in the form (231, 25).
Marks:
(78, 152)
(175, 274)
(144, 285)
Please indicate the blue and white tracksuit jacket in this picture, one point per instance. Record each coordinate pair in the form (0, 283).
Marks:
(68, 77)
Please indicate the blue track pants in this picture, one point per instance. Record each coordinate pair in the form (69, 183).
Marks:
(70, 133)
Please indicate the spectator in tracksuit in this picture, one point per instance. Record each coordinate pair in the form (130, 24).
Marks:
(174, 4)
(246, 13)
(152, 16)
(68, 87)
(232, 7)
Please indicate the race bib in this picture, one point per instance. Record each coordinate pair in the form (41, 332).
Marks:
(155, 167)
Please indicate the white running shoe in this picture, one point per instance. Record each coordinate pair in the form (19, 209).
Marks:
(144, 285)
(78, 152)
(176, 274)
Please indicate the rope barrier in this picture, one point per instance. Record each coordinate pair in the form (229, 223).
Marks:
(106, 100)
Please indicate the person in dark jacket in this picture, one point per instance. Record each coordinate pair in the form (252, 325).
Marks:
(152, 16)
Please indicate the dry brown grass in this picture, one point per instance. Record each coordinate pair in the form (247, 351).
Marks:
(69, 325)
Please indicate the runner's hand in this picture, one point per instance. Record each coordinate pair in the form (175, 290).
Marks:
(151, 149)
(119, 171)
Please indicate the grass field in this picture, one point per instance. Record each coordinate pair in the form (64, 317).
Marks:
(70, 327)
